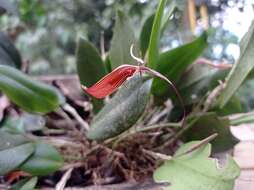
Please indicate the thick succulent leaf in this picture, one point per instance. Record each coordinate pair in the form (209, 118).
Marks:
(197, 170)
(26, 122)
(90, 67)
(122, 111)
(145, 34)
(19, 184)
(209, 124)
(14, 150)
(8, 140)
(241, 69)
(11, 158)
(30, 184)
(44, 161)
(29, 94)
(9, 53)
(173, 63)
(122, 40)
(153, 49)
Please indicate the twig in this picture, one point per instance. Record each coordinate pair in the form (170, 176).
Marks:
(75, 114)
(135, 130)
(61, 184)
(157, 155)
(213, 95)
(70, 124)
(200, 144)
(151, 127)
(158, 116)
(191, 149)
(203, 61)
(72, 165)
(179, 133)
(60, 142)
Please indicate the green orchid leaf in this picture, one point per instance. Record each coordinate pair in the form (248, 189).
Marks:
(146, 34)
(90, 67)
(122, 111)
(153, 48)
(30, 184)
(173, 63)
(122, 40)
(14, 150)
(44, 161)
(241, 69)
(9, 55)
(29, 94)
(25, 123)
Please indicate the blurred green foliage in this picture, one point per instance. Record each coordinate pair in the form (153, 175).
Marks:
(46, 31)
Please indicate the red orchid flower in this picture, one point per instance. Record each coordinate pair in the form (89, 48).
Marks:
(110, 83)
(15, 175)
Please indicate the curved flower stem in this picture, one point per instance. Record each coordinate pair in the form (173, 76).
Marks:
(157, 74)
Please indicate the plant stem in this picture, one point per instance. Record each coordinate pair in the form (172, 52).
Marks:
(200, 144)
(157, 155)
(151, 127)
(75, 114)
(144, 129)
(238, 119)
(179, 133)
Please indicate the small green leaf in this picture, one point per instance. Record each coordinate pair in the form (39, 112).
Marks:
(90, 67)
(14, 150)
(30, 185)
(209, 124)
(29, 94)
(145, 34)
(9, 53)
(11, 158)
(197, 170)
(44, 161)
(122, 40)
(153, 49)
(173, 63)
(19, 184)
(241, 69)
(122, 111)
(8, 140)
(24, 123)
